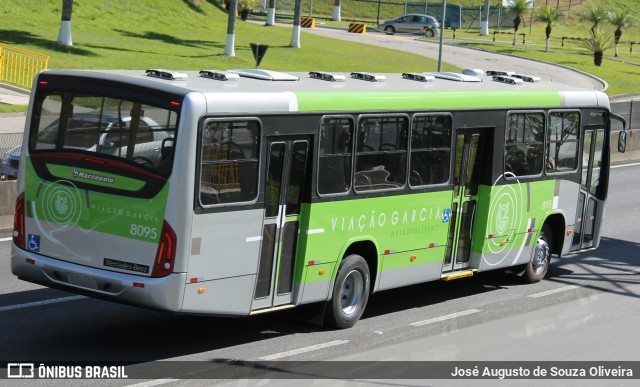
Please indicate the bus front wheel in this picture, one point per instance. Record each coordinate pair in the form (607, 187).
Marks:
(350, 293)
(538, 267)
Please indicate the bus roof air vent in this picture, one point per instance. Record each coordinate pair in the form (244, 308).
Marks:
(474, 72)
(327, 76)
(219, 75)
(265, 75)
(509, 80)
(455, 77)
(368, 77)
(418, 77)
(166, 74)
(527, 78)
(492, 73)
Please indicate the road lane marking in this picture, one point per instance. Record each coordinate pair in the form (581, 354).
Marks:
(40, 303)
(553, 291)
(304, 349)
(445, 317)
(624, 165)
(152, 383)
(5, 239)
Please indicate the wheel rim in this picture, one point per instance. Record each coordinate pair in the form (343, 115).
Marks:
(541, 259)
(351, 292)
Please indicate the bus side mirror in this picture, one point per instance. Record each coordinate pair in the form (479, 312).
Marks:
(622, 141)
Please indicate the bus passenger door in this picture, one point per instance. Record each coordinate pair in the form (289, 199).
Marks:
(469, 157)
(284, 187)
(592, 185)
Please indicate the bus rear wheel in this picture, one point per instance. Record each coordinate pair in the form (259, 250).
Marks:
(538, 267)
(350, 293)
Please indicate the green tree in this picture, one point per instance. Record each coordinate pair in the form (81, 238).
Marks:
(229, 47)
(271, 13)
(598, 42)
(548, 15)
(295, 35)
(484, 18)
(518, 7)
(337, 6)
(595, 15)
(621, 19)
(64, 35)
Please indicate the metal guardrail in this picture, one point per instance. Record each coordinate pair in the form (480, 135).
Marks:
(629, 110)
(19, 67)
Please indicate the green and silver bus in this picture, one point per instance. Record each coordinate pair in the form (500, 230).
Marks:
(246, 191)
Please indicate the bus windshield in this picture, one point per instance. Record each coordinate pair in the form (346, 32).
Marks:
(119, 128)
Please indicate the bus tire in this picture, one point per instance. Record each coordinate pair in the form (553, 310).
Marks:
(538, 266)
(350, 293)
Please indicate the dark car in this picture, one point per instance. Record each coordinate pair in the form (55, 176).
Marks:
(9, 162)
(413, 23)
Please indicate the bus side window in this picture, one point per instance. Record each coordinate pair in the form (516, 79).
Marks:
(335, 155)
(229, 169)
(562, 142)
(524, 139)
(381, 160)
(430, 150)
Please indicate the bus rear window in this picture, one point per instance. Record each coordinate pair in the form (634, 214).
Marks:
(120, 128)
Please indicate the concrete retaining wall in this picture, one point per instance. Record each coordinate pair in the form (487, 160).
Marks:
(7, 203)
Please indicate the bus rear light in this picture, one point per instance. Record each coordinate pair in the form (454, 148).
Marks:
(18, 224)
(529, 230)
(166, 253)
(44, 83)
(174, 103)
(490, 236)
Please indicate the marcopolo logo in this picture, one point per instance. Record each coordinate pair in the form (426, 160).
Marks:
(90, 176)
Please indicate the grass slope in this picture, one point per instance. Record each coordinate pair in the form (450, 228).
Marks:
(187, 34)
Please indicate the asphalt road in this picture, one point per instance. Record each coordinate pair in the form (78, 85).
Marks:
(587, 310)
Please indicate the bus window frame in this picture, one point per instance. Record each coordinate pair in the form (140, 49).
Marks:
(510, 175)
(353, 155)
(199, 157)
(578, 141)
(360, 117)
(410, 150)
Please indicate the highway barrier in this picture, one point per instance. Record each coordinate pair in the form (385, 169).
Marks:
(19, 67)
(307, 22)
(358, 28)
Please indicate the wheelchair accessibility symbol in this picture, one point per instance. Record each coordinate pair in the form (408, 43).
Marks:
(33, 243)
(446, 215)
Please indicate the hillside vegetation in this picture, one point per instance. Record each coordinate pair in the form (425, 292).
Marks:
(190, 34)
(187, 34)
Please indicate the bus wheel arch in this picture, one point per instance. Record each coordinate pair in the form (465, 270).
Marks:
(352, 284)
(557, 227)
(350, 294)
(538, 266)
